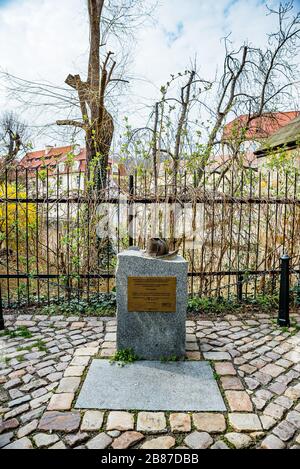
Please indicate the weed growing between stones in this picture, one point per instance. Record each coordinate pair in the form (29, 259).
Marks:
(21, 331)
(20, 358)
(5, 360)
(292, 329)
(39, 344)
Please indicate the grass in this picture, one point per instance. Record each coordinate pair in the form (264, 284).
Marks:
(104, 304)
(295, 325)
(264, 302)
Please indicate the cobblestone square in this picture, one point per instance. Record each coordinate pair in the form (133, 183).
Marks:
(256, 366)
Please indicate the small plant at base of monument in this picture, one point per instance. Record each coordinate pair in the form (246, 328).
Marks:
(172, 358)
(124, 357)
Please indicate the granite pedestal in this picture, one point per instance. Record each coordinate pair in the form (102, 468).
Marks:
(152, 335)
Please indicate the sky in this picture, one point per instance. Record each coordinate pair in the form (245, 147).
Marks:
(48, 39)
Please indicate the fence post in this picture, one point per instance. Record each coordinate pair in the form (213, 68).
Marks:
(240, 279)
(298, 293)
(1, 310)
(284, 295)
(130, 211)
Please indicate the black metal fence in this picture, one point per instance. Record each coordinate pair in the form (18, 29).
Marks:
(60, 234)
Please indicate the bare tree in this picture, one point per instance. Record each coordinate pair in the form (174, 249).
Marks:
(168, 132)
(255, 83)
(14, 138)
(184, 104)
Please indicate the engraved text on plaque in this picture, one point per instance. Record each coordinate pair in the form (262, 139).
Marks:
(147, 294)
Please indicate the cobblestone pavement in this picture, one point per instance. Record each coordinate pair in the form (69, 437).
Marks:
(44, 362)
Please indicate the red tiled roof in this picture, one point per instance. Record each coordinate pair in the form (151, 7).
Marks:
(261, 127)
(52, 151)
(51, 157)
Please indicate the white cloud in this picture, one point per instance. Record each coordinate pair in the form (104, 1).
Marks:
(47, 39)
(42, 38)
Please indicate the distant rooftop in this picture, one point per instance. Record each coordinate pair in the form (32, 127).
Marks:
(287, 137)
(261, 127)
(50, 157)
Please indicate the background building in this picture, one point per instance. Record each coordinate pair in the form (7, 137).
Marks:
(62, 170)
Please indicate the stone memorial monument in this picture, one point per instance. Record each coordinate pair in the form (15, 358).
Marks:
(151, 290)
(152, 303)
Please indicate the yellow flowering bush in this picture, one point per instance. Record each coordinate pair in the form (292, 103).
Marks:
(17, 219)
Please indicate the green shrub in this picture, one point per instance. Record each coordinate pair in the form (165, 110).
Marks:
(102, 304)
(216, 305)
(220, 305)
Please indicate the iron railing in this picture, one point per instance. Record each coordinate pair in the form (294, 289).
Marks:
(60, 235)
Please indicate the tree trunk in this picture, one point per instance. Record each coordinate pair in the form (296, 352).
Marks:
(98, 142)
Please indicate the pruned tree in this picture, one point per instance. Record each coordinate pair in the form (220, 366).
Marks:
(95, 95)
(106, 17)
(14, 139)
(97, 122)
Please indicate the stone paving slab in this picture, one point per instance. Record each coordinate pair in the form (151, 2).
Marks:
(151, 385)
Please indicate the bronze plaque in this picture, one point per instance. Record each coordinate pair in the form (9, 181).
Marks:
(147, 294)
